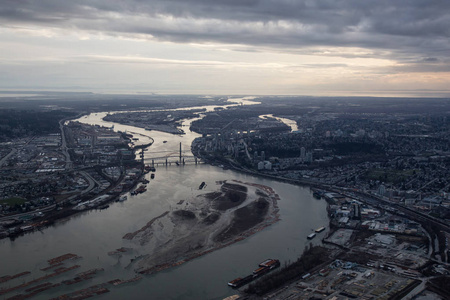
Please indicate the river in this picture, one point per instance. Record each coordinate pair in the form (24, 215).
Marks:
(94, 233)
(291, 123)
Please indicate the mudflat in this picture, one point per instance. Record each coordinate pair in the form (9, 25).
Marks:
(207, 222)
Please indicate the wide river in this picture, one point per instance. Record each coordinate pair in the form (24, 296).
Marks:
(93, 234)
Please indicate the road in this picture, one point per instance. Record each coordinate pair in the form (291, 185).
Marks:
(15, 216)
(91, 181)
(416, 290)
(64, 145)
(4, 159)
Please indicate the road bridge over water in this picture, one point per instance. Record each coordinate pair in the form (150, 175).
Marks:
(172, 157)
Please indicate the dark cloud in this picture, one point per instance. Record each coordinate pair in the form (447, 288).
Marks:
(403, 29)
(430, 59)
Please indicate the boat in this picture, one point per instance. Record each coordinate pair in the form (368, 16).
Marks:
(149, 168)
(264, 267)
(139, 190)
(317, 194)
(123, 198)
(311, 236)
(152, 176)
(320, 229)
(235, 282)
(260, 271)
(270, 263)
(164, 142)
(202, 185)
(238, 282)
(26, 228)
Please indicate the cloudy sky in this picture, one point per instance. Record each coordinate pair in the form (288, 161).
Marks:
(303, 47)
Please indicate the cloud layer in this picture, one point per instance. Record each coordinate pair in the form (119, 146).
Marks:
(414, 34)
(407, 28)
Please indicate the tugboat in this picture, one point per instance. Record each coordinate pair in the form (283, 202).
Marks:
(149, 168)
(317, 194)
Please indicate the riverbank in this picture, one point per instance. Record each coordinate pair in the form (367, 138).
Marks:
(165, 120)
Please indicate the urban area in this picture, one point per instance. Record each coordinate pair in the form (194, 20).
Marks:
(381, 164)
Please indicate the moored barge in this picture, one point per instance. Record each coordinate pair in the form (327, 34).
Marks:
(264, 267)
(311, 236)
(320, 229)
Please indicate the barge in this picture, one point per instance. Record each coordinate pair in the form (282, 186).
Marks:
(264, 267)
(320, 229)
(139, 190)
(311, 236)
(238, 282)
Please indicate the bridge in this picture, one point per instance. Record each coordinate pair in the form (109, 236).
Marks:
(177, 158)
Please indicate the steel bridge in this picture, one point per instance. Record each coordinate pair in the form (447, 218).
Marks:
(179, 159)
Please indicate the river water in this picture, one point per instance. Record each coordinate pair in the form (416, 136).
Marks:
(94, 233)
(291, 123)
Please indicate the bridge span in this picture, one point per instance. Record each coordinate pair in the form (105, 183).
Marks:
(167, 160)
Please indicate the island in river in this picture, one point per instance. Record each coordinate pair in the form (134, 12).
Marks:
(207, 222)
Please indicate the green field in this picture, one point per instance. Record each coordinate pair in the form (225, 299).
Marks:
(13, 201)
(391, 175)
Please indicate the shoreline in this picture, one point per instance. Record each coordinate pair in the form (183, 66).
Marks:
(53, 216)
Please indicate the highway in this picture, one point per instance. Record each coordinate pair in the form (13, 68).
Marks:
(15, 216)
(91, 180)
(64, 146)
